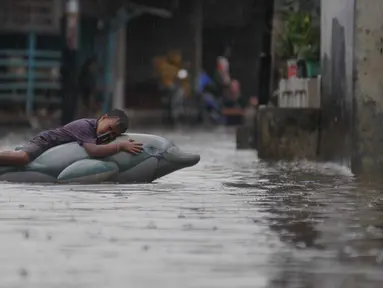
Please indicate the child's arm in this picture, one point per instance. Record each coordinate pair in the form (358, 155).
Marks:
(88, 140)
(100, 151)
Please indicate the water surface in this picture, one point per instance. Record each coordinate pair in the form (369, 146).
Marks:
(231, 221)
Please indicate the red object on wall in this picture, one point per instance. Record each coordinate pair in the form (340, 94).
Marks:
(292, 68)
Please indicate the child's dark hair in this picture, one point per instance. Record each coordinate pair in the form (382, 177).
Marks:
(123, 119)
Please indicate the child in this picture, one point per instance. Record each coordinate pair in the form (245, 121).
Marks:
(85, 132)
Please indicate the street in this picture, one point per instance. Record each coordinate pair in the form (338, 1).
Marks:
(231, 221)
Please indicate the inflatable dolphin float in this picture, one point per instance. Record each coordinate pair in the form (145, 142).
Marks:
(69, 163)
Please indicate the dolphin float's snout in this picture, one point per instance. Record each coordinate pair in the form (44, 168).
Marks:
(174, 159)
(176, 156)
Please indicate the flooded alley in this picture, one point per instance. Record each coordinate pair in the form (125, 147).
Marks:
(232, 221)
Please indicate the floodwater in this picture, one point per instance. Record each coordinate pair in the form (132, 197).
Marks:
(231, 221)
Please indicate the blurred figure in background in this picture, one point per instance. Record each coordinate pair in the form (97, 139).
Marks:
(175, 59)
(88, 86)
(228, 88)
(211, 104)
(235, 94)
(175, 85)
(165, 72)
(222, 76)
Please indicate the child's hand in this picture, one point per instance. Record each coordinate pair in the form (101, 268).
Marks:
(131, 147)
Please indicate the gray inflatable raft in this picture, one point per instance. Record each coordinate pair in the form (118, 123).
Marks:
(69, 163)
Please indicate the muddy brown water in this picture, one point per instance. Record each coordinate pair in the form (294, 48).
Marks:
(231, 221)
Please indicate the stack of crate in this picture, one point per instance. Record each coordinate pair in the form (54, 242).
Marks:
(299, 92)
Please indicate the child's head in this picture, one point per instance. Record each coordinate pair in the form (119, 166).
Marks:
(115, 122)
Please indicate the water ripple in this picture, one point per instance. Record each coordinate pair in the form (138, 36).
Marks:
(230, 221)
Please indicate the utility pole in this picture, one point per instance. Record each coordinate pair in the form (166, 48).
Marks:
(68, 64)
(198, 38)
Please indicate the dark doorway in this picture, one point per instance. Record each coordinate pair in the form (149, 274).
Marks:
(265, 60)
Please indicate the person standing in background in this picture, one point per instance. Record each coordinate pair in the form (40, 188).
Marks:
(174, 88)
(223, 76)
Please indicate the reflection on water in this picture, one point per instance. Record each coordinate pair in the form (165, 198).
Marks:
(230, 221)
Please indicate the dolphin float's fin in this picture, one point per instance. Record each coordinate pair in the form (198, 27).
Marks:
(88, 171)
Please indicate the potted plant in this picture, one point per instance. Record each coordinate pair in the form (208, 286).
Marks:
(310, 52)
(299, 41)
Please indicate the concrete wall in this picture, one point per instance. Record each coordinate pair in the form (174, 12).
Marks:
(352, 86)
(287, 133)
(368, 92)
(337, 50)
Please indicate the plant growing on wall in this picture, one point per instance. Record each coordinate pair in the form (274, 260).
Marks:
(300, 39)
